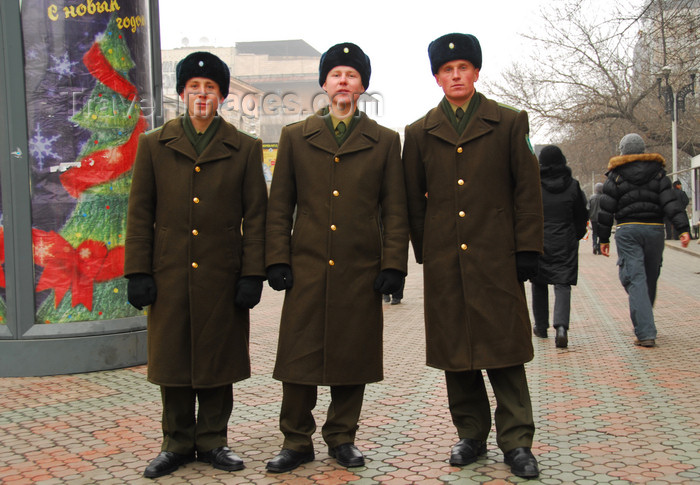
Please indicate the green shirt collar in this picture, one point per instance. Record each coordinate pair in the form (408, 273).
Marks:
(200, 140)
(332, 123)
(469, 110)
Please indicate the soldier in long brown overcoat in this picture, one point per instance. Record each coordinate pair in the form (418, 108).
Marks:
(341, 172)
(475, 212)
(195, 253)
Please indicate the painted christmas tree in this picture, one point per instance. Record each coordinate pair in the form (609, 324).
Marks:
(83, 263)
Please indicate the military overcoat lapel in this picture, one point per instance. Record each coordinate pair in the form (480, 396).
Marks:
(438, 124)
(317, 134)
(174, 137)
(364, 135)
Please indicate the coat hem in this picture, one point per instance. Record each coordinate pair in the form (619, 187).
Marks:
(464, 369)
(195, 386)
(317, 383)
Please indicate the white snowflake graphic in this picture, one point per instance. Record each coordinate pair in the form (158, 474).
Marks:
(42, 250)
(41, 147)
(62, 65)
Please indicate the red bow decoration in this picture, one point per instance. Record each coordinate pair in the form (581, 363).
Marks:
(76, 269)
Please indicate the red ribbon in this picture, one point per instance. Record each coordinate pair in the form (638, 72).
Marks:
(102, 70)
(76, 269)
(105, 165)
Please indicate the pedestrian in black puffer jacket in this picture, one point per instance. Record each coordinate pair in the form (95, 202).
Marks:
(565, 218)
(638, 194)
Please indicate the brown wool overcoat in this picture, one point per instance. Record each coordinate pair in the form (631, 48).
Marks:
(483, 205)
(331, 325)
(197, 224)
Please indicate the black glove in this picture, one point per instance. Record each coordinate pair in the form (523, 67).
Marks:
(527, 264)
(141, 291)
(389, 281)
(248, 291)
(279, 276)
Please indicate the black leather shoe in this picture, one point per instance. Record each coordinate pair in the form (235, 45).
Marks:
(539, 332)
(522, 462)
(467, 451)
(288, 460)
(561, 340)
(166, 463)
(222, 458)
(347, 455)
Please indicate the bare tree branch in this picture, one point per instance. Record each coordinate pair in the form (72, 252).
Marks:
(595, 73)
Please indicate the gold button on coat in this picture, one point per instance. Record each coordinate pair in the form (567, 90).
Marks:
(197, 169)
(464, 247)
(195, 232)
(196, 200)
(331, 262)
(462, 213)
(333, 228)
(459, 150)
(195, 265)
(460, 182)
(336, 193)
(336, 159)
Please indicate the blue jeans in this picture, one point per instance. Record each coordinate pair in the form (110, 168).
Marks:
(640, 250)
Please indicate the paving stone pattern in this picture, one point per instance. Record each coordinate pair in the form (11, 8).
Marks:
(606, 411)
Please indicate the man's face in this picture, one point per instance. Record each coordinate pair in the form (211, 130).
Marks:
(202, 97)
(344, 87)
(457, 78)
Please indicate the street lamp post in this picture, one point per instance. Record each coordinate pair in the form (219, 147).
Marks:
(673, 103)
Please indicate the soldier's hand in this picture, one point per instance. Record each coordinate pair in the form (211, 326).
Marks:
(141, 290)
(248, 291)
(527, 264)
(279, 276)
(389, 281)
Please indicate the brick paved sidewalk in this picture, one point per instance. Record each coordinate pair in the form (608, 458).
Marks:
(606, 411)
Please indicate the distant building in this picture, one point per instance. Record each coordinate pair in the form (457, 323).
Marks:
(273, 83)
(668, 38)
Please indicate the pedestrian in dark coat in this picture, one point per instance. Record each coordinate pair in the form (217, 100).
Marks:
(683, 200)
(593, 209)
(341, 173)
(565, 221)
(475, 210)
(638, 194)
(195, 254)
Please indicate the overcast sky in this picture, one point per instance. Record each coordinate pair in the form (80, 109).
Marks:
(394, 34)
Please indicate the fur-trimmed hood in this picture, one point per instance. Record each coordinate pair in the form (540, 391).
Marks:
(620, 160)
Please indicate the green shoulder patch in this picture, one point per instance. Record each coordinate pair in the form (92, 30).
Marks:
(529, 145)
(254, 137)
(154, 130)
(509, 107)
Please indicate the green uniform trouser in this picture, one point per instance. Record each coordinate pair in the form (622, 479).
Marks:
(182, 432)
(471, 410)
(297, 422)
